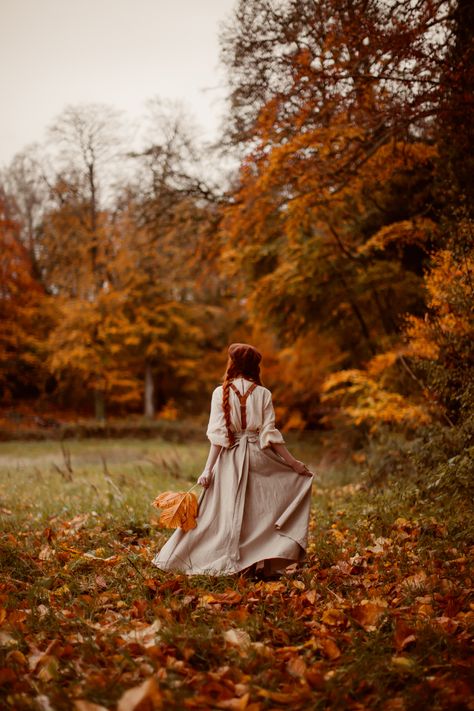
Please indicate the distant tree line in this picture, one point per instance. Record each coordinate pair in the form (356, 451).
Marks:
(342, 244)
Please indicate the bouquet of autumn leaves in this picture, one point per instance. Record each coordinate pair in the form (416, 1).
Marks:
(179, 509)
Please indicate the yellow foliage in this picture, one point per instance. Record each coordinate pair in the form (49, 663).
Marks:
(450, 294)
(414, 231)
(369, 402)
(169, 411)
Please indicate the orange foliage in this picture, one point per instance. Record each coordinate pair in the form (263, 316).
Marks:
(364, 400)
(21, 301)
(450, 294)
(178, 509)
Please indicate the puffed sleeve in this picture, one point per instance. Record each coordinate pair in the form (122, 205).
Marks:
(268, 432)
(216, 430)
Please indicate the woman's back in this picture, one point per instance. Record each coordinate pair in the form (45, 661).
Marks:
(260, 415)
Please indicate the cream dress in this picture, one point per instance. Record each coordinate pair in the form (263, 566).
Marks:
(256, 508)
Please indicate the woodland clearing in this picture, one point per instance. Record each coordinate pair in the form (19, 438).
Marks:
(377, 618)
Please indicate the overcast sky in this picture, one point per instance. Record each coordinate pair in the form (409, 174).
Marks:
(120, 52)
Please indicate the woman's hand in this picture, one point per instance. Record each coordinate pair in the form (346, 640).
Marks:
(205, 479)
(301, 468)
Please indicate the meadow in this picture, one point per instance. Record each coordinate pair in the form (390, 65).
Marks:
(378, 617)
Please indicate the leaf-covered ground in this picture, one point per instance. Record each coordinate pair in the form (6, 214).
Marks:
(379, 617)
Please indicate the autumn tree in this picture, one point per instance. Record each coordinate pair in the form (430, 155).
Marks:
(25, 184)
(333, 107)
(75, 234)
(172, 207)
(25, 315)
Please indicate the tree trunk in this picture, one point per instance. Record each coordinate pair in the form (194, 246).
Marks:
(99, 405)
(149, 408)
(457, 125)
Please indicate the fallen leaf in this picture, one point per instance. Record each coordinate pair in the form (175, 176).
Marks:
(46, 553)
(100, 581)
(415, 581)
(145, 636)
(404, 635)
(78, 522)
(237, 638)
(43, 703)
(298, 584)
(145, 697)
(6, 640)
(49, 668)
(296, 666)
(315, 676)
(93, 556)
(235, 704)
(368, 613)
(329, 648)
(228, 597)
(7, 675)
(179, 509)
(17, 657)
(281, 697)
(83, 705)
(38, 658)
(333, 617)
(402, 662)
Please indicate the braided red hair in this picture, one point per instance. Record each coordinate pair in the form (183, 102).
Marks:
(239, 365)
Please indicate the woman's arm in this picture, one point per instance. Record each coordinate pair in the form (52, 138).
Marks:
(206, 476)
(299, 467)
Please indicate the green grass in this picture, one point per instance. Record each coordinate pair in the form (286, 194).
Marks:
(39, 480)
(306, 646)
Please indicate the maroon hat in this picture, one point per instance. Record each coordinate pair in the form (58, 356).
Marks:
(244, 356)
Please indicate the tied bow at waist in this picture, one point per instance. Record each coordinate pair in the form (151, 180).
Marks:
(245, 436)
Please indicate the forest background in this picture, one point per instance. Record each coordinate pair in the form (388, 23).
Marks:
(341, 245)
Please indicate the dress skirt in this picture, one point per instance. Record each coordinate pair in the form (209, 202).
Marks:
(255, 510)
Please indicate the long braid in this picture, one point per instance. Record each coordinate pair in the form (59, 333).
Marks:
(233, 371)
(226, 408)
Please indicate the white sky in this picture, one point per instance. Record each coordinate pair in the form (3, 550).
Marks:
(119, 52)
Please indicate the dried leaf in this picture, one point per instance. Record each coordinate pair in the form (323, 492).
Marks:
(179, 509)
(404, 663)
(49, 668)
(333, 616)
(46, 553)
(83, 705)
(404, 635)
(145, 697)
(368, 613)
(417, 580)
(228, 597)
(329, 648)
(235, 704)
(43, 703)
(7, 640)
(281, 697)
(296, 666)
(237, 638)
(7, 675)
(145, 636)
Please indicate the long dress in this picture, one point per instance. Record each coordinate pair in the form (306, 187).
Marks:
(256, 509)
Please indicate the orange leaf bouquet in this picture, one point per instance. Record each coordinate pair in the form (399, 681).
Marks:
(178, 509)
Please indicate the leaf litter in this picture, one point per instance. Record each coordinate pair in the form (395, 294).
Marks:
(87, 623)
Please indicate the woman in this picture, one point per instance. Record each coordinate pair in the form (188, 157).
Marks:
(254, 510)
